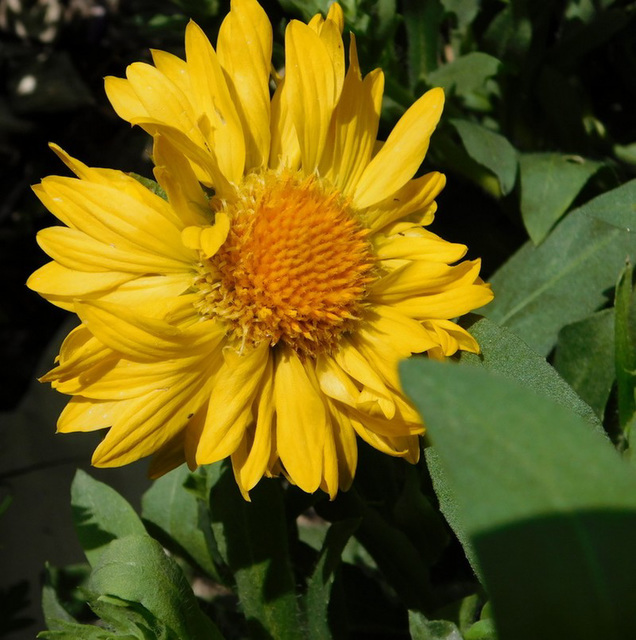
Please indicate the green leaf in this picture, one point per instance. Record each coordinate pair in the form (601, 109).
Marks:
(563, 280)
(504, 353)
(507, 355)
(136, 569)
(616, 207)
(548, 504)
(321, 581)
(585, 358)
(490, 150)
(421, 628)
(464, 10)
(130, 619)
(422, 21)
(252, 539)
(182, 517)
(150, 185)
(100, 515)
(625, 332)
(393, 551)
(466, 74)
(54, 611)
(549, 184)
(75, 631)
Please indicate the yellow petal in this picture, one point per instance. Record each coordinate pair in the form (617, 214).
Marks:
(451, 303)
(301, 421)
(163, 100)
(213, 101)
(148, 423)
(451, 337)
(421, 276)
(176, 176)
(175, 69)
(346, 447)
(244, 48)
(204, 159)
(139, 338)
(379, 442)
(330, 475)
(76, 250)
(310, 90)
(61, 285)
(355, 365)
(334, 382)
(285, 149)
(415, 195)
(416, 244)
(336, 15)
(167, 458)
(119, 379)
(230, 407)
(125, 101)
(85, 415)
(354, 126)
(402, 153)
(112, 217)
(210, 238)
(251, 459)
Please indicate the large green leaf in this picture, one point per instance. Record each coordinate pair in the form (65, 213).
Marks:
(541, 289)
(182, 516)
(136, 569)
(549, 506)
(252, 539)
(490, 150)
(507, 355)
(585, 358)
(100, 515)
(321, 580)
(549, 184)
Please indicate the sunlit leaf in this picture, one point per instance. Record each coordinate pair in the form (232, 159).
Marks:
(540, 494)
(549, 184)
(252, 539)
(100, 515)
(566, 278)
(137, 570)
(182, 516)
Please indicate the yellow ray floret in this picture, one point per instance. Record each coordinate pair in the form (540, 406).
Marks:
(259, 311)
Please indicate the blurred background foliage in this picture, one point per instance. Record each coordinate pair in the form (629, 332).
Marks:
(539, 123)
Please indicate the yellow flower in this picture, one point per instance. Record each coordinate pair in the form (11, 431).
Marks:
(266, 321)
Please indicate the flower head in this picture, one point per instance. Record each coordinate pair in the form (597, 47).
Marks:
(261, 309)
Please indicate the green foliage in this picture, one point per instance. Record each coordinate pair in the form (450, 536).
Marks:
(541, 289)
(585, 358)
(252, 540)
(100, 515)
(549, 184)
(503, 442)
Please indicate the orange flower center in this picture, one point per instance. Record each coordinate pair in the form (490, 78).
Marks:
(295, 265)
